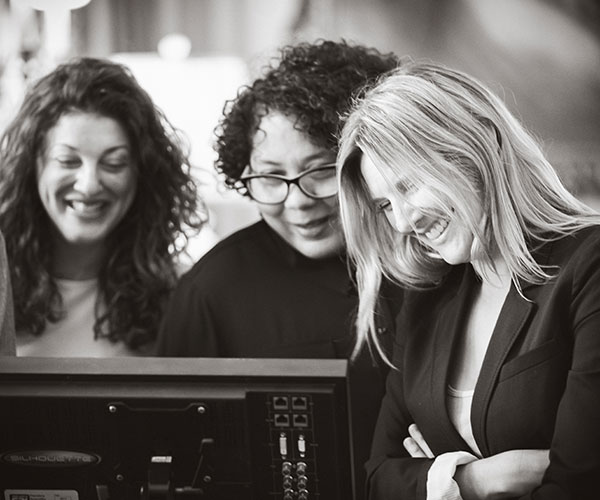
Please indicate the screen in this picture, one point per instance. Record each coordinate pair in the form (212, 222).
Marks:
(150, 428)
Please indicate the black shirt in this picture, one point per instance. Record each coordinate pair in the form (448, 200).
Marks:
(253, 295)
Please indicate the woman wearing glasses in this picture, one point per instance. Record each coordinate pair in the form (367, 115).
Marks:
(280, 287)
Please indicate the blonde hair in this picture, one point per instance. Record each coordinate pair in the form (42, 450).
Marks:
(442, 128)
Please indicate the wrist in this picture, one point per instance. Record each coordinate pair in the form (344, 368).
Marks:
(441, 484)
(476, 482)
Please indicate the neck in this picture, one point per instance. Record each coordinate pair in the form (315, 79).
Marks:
(497, 276)
(77, 262)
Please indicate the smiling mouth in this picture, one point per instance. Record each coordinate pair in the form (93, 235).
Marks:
(314, 223)
(436, 229)
(86, 208)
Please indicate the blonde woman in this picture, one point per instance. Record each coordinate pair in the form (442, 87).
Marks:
(495, 391)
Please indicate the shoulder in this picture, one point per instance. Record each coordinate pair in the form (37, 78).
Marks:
(574, 261)
(237, 253)
(581, 247)
(588, 238)
(585, 248)
(247, 242)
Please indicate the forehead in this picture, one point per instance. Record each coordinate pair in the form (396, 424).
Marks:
(279, 136)
(377, 184)
(78, 128)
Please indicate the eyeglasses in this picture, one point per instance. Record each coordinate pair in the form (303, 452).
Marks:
(272, 189)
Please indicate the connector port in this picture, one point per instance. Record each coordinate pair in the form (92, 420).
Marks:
(300, 420)
(280, 402)
(281, 420)
(299, 403)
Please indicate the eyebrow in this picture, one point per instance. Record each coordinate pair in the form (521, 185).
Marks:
(316, 156)
(403, 184)
(109, 150)
(116, 148)
(320, 156)
(271, 163)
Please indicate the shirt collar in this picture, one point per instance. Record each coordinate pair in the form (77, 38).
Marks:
(334, 275)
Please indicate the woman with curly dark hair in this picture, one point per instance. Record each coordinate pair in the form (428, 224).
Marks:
(281, 287)
(96, 198)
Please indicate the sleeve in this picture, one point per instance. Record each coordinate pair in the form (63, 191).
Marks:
(391, 472)
(187, 328)
(7, 323)
(575, 449)
(440, 479)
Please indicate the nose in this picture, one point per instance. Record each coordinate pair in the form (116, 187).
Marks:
(297, 199)
(87, 179)
(401, 217)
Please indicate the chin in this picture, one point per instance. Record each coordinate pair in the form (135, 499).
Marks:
(456, 258)
(320, 249)
(85, 239)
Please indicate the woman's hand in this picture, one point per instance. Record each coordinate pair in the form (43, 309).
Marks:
(508, 474)
(416, 444)
(505, 475)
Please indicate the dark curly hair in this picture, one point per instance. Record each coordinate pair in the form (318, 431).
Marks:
(139, 271)
(312, 82)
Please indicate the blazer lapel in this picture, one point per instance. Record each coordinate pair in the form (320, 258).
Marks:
(447, 330)
(513, 317)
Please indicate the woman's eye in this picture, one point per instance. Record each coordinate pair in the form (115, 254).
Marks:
(68, 162)
(116, 163)
(321, 173)
(384, 206)
(269, 181)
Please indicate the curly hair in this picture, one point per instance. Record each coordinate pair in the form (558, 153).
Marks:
(313, 83)
(140, 269)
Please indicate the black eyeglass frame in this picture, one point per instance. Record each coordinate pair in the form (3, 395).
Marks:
(294, 180)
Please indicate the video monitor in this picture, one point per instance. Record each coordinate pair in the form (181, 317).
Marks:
(166, 428)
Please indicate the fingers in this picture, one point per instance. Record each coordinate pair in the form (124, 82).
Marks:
(418, 438)
(416, 445)
(413, 448)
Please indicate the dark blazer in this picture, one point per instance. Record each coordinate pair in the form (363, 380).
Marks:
(539, 386)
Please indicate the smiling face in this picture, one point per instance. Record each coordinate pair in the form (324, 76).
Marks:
(311, 226)
(416, 211)
(86, 177)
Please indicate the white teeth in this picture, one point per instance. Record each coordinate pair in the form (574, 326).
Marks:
(85, 207)
(437, 229)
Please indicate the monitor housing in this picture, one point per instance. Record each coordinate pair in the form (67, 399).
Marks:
(170, 428)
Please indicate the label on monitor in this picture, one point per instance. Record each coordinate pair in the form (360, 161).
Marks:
(41, 495)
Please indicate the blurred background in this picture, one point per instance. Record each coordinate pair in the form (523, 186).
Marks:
(542, 56)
